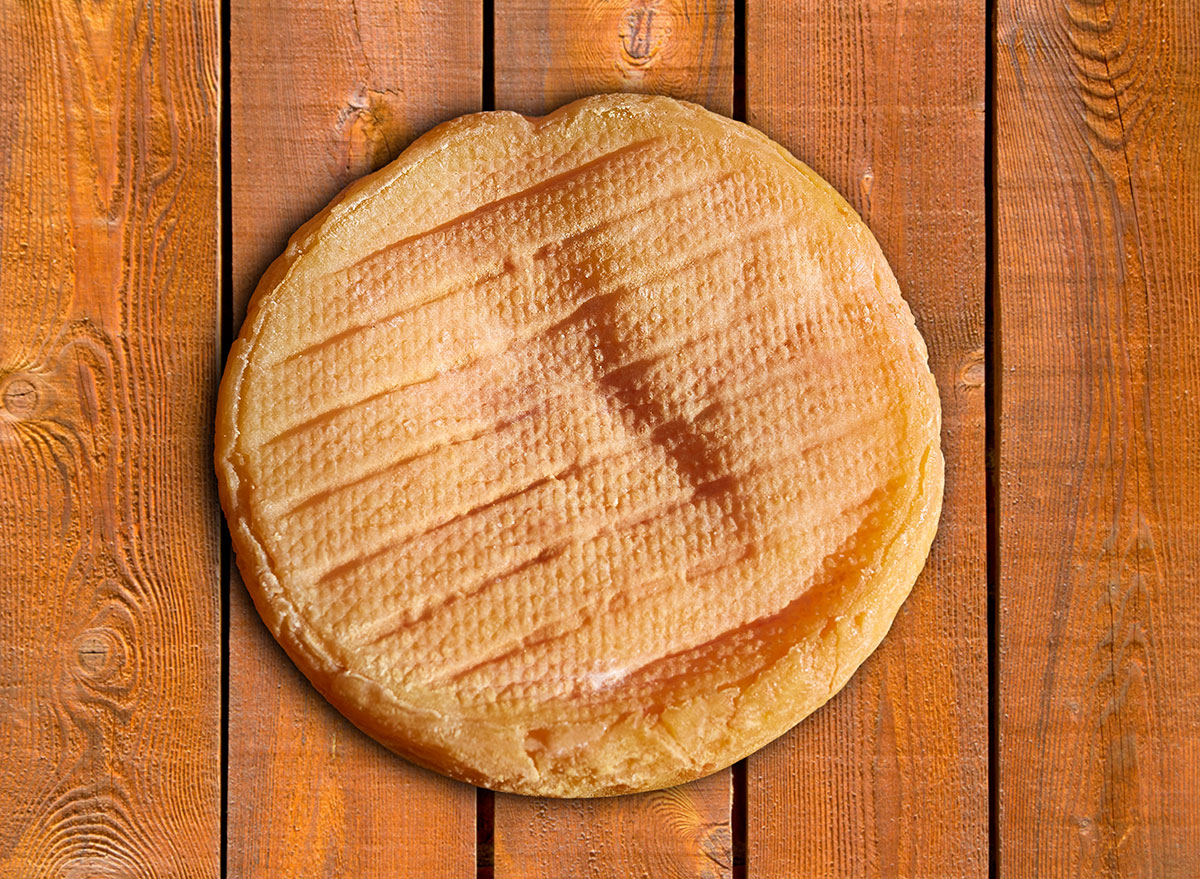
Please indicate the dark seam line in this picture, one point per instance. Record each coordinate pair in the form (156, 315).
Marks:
(739, 790)
(226, 340)
(739, 60)
(992, 409)
(488, 71)
(485, 800)
(485, 811)
(737, 816)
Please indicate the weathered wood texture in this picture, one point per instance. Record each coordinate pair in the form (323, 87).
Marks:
(322, 92)
(1098, 268)
(547, 54)
(679, 832)
(110, 580)
(886, 101)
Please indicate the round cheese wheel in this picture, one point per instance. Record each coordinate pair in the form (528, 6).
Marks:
(581, 455)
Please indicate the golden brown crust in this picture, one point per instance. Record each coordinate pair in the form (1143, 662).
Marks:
(660, 718)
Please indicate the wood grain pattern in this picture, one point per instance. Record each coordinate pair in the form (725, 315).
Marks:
(547, 54)
(323, 92)
(683, 831)
(109, 529)
(1098, 264)
(886, 101)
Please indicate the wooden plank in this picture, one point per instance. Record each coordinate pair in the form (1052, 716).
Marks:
(110, 628)
(1098, 265)
(545, 55)
(324, 91)
(886, 101)
(683, 831)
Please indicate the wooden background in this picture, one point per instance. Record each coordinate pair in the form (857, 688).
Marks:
(1032, 171)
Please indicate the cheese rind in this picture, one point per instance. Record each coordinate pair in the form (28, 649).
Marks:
(581, 455)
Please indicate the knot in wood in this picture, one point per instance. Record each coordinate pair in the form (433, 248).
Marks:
(99, 654)
(20, 397)
(641, 33)
(973, 371)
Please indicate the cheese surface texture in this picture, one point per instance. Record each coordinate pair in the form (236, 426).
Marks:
(581, 455)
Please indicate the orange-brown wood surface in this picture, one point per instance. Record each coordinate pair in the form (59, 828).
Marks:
(886, 101)
(323, 92)
(679, 832)
(545, 55)
(1098, 271)
(110, 579)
